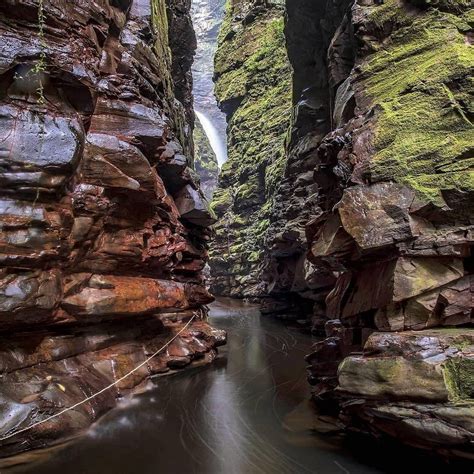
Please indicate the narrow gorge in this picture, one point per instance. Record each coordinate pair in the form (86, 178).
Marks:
(353, 214)
(236, 236)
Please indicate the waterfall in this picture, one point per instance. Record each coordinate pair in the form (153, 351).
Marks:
(217, 143)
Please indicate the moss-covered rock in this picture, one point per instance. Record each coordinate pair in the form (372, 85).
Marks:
(417, 386)
(205, 161)
(253, 86)
(373, 222)
(421, 82)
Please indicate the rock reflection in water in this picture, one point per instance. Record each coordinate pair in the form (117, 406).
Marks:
(245, 414)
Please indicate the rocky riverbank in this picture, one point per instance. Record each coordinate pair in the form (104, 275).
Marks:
(368, 228)
(104, 228)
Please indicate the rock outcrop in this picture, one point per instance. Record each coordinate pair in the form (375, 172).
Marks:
(381, 148)
(253, 87)
(104, 230)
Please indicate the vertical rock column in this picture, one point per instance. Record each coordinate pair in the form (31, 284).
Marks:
(103, 227)
(386, 154)
(294, 283)
(254, 90)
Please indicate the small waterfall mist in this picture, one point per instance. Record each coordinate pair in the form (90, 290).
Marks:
(207, 18)
(216, 140)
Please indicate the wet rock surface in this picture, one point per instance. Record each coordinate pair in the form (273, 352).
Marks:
(415, 386)
(104, 227)
(386, 244)
(253, 88)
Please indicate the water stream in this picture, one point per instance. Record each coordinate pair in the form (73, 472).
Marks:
(247, 413)
(216, 140)
(207, 16)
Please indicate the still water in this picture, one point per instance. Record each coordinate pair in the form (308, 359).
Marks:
(248, 413)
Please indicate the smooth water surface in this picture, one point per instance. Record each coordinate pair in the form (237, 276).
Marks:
(247, 413)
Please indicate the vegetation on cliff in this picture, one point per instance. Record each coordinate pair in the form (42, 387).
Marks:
(422, 82)
(253, 86)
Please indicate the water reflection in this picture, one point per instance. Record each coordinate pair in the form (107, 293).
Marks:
(245, 414)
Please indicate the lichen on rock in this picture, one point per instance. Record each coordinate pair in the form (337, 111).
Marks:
(420, 84)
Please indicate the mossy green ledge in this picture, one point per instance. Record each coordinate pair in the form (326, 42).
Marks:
(419, 80)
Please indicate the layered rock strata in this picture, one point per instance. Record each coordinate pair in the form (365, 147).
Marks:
(382, 150)
(104, 229)
(365, 228)
(252, 75)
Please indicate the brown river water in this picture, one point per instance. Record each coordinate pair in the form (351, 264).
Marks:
(247, 413)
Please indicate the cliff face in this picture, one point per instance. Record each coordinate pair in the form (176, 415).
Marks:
(104, 231)
(382, 145)
(253, 87)
(294, 283)
(364, 223)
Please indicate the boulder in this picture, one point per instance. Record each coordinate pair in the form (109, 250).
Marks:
(378, 285)
(193, 207)
(416, 386)
(377, 216)
(111, 162)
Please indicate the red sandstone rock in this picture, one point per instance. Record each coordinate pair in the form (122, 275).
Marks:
(91, 230)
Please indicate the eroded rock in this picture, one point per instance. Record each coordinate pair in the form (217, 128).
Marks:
(98, 267)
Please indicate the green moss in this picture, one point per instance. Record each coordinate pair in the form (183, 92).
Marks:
(238, 221)
(205, 159)
(254, 256)
(232, 85)
(253, 82)
(420, 82)
(221, 201)
(248, 191)
(459, 378)
(161, 45)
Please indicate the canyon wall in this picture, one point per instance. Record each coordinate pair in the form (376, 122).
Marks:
(367, 228)
(253, 87)
(104, 229)
(389, 236)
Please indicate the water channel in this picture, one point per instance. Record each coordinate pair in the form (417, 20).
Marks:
(247, 413)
